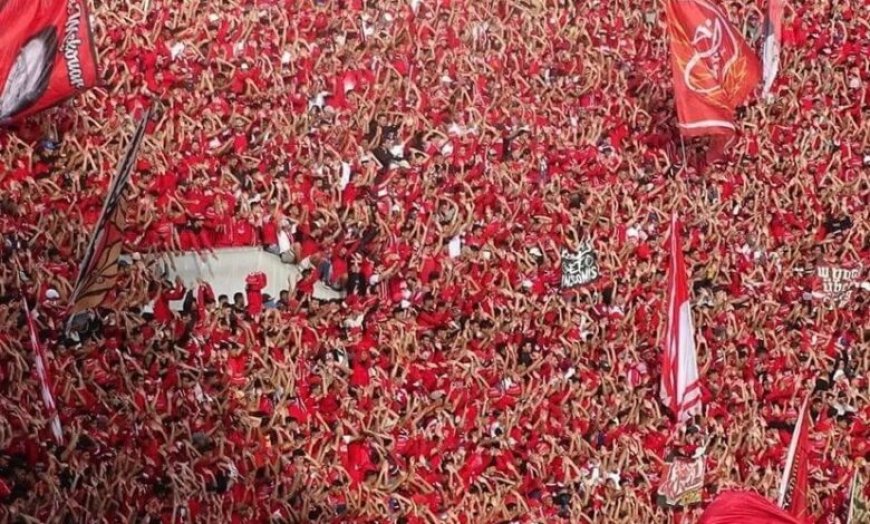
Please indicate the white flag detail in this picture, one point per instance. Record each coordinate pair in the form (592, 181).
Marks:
(771, 44)
(680, 390)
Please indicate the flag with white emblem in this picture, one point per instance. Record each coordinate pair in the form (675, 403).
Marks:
(46, 55)
(714, 68)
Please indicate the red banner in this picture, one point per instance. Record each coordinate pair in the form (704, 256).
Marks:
(794, 486)
(99, 270)
(742, 507)
(714, 68)
(46, 55)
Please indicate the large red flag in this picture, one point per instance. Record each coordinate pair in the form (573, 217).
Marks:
(714, 68)
(743, 507)
(46, 55)
(680, 390)
(794, 486)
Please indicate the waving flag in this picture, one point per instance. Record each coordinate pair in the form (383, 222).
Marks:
(772, 42)
(43, 377)
(99, 269)
(793, 488)
(743, 507)
(680, 390)
(714, 68)
(46, 55)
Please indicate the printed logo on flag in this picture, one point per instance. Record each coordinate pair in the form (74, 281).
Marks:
(709, 54)
(71, 43)
(715, 51)
(682, 482)
(48, 55)
(714, 68)
(837, 283)
(580, 267)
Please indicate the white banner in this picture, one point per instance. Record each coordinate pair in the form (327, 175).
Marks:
(580, 267)
(838, 283)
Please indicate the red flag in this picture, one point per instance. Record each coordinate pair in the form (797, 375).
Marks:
(46, 55)
(714, 68)
(794, 486)
(43, 377)
(99, 270)
(680, 390)
(742, 507)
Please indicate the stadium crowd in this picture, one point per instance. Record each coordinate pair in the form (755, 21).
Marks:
(432, 159)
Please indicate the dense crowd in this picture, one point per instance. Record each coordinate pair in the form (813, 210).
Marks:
(432, 159)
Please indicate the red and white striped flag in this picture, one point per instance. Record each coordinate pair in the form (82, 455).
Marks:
(44, 379)
(794, 485)
(680, 389)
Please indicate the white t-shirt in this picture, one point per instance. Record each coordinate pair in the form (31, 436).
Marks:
(284, 243)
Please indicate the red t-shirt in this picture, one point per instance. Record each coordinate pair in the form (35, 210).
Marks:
(243, 233)
(339, 268)
(255, 282)
(162, 313)
(269, 233)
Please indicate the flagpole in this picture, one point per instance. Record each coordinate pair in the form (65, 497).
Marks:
(41, 372)
(852, 497)
(792, 451)
(683, 148)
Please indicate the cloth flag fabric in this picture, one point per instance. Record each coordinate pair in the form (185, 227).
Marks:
(743, 507)
(46, 55)
(771, 43)
(714, 68)
(99, 269)
(680, 389)
(45, 384)
(793, 488)
(682, 482)
(580, 267)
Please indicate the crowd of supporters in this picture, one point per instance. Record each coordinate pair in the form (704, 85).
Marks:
(432, 159)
